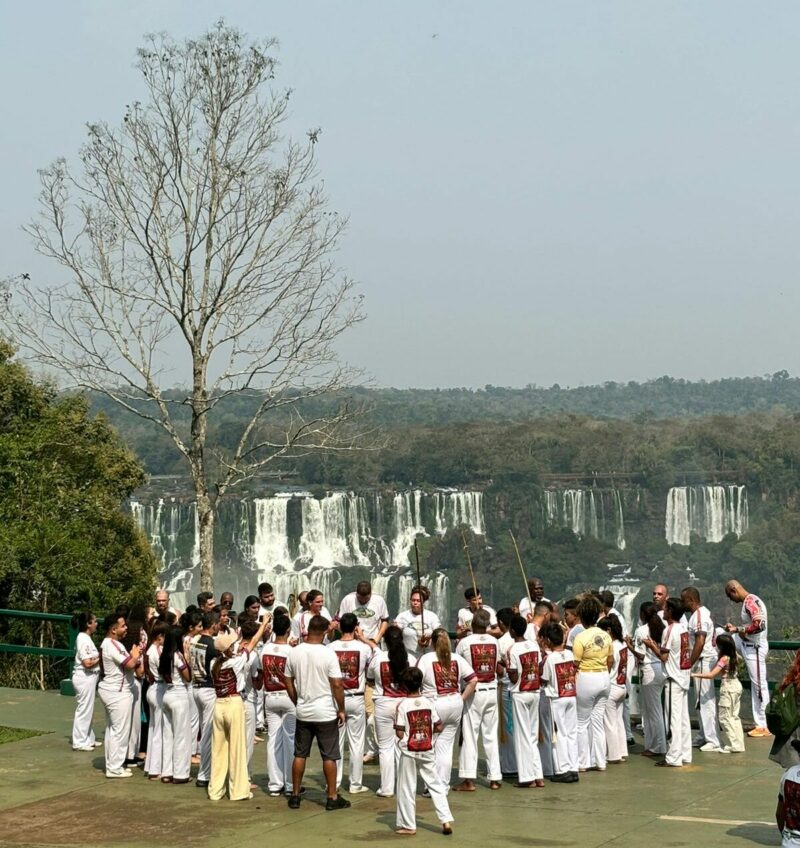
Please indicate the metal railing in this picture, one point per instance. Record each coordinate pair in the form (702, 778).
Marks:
(65, 685)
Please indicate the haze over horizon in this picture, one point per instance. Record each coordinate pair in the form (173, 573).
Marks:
(538, 194)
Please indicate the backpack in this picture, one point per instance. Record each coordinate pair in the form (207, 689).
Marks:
(783, 714)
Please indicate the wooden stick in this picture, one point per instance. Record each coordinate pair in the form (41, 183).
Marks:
(469, 564)
(522, 569)
(421, 595)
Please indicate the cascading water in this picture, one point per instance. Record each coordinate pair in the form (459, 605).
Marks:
(589, 513)
(710, 512)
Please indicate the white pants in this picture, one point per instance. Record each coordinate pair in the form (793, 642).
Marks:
(118, 705)
(155, 698)
(204, 700)
(279, 714)
(355, 731)
(706, 699)
(135, 731)
(614, 721)
(250, 718)
(449, 709)
(680, 744)
(525, 706)
(565, 717)
(480, 719)
(84, 682)
(508, 760)
(652, 686)
(385, 712)
(176, 737)
(407, 767)
(756, 661)
(592, 689)
(545, 741)
(194, 719)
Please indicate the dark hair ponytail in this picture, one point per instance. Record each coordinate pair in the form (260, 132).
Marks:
(398, 655)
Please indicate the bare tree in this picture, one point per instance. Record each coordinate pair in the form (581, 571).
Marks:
(199, 249)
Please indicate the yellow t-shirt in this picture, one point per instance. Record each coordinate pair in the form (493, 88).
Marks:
(591, 649)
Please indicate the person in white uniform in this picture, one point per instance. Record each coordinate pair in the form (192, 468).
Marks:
(252, 694)
(479, 649)
(616, 741)
(267, 601)
(155, 699)
(558, 680)
(703, 658)
(416, 723)
(450, 682)
(417, 622)
(279, 711)
(505, 722)
(201, 654)
(675, 654)
(475, 602)
(85, 674)
(315, 606)
(114, 690)
(370, 610)
(176, 739)
(354, 653)
(651, 679)
(751, 642)
(787, 813)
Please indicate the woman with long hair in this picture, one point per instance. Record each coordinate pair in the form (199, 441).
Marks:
(651, 679)
(418, 622)
(449, 681)
(85, 674)
(385, 670)
(616, 743)
(176, 754)
(156, 689)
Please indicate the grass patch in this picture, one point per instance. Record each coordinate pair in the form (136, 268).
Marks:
(15, 734)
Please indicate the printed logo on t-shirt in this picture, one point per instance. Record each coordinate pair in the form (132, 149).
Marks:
(349, 662)
(529, 671)
(391, 688)
(484, 661)
(565, 679)
(274, 672)
(686, 653)
(791, 804)
(446, 681)
(420, 730)
(622, 668)
(225, 682)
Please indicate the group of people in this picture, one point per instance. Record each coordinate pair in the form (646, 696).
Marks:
(544, 690)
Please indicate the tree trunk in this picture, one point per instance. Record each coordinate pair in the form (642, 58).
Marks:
(206, 513)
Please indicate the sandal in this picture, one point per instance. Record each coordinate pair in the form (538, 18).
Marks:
(447, 829)
(495, 784)
(166, 780)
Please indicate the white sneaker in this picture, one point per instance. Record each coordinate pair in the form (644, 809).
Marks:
(85, 748)
(121, 773)
(356, 789)
(98, 744)
(384, 794)
(709, 747)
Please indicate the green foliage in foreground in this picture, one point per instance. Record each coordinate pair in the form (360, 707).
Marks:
(17, 734)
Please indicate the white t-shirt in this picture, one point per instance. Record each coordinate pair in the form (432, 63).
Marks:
(380, 673)
(273, 667)
(178, 665)
(85, 649)
(700, 622)
(252, 669)
(437, 683)
(153, 658)
(558, 675)
(113, 657)
(312, 666)
(465, 615)
(370, 615)
(754, 610)
(503, 644)
(676, 640)
(641, 633)
(262, 610)
(618, 614)
(481, 654)
(300, 623)
(619, 670)
(417, 718)
(353, 657)
(574, 631)
(524, 658)
(789, 792)
(412, 627)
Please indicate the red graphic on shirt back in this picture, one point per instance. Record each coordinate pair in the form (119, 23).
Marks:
(529, 672)
(391, 688)
(622, 668)
(565, 679)
(349, 662)
(274, 676)
(686, 654)
(225, 682)
(420, 730)
(791, 804)
(446, 682)
(484, 661)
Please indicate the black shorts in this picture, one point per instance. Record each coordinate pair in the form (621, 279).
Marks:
(325, 732)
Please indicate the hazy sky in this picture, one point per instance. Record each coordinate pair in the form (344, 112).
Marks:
(562, 192)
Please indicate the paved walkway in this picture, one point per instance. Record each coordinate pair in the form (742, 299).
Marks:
(50, 795)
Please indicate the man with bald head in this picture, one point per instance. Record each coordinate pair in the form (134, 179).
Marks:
(660, 596)
(751, 642)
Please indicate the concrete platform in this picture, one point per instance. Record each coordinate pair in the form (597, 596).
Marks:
(50, 795)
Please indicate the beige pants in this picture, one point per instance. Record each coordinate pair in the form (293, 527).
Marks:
(229, 751)
(730, 727)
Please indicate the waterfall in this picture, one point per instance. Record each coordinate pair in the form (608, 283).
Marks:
(709, 511)
(590, 513)
(271, 542)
